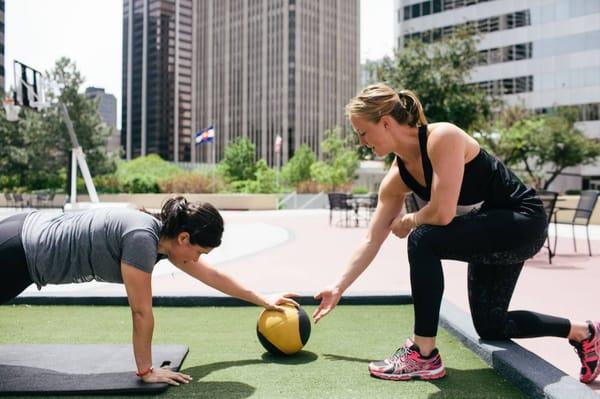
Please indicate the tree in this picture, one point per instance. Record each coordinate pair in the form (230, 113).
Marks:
(91, 132)
(39, 145)
(29, 157)
(340, 160)
(543, 145)
(238, 162)
(297, 169)
(265, 178)
(438, 73)
(13, 154)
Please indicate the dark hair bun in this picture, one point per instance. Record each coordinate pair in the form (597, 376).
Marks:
(201, 220)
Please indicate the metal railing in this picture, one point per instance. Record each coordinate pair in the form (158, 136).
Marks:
(294, 200)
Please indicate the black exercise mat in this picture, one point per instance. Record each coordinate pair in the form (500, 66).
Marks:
(80, 369)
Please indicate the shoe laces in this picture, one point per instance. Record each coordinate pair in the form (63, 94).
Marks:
(583, 347)
(401, 354)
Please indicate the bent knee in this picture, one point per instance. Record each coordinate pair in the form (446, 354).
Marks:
(419, 239)
(492, 332)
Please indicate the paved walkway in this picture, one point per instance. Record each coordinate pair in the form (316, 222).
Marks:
(274, 251)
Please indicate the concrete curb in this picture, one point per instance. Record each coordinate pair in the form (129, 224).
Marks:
(528, 372)
(199, 300)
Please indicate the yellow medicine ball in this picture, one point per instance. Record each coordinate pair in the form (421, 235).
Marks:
(283, 333)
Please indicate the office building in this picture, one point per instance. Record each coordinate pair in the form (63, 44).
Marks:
(157, 78)
(539, 53)
(268, 68)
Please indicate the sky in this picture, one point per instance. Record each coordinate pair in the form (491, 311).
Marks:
(89, 32)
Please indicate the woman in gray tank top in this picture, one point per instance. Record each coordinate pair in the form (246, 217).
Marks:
(120, 246)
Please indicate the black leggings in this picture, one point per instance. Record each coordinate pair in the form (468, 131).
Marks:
(495, 243)
(14, 275)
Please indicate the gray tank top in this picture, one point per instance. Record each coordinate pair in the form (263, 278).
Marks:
(90, 245)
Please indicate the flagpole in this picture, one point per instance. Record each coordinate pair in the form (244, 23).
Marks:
(277, 162)
(214, 151)
(277, 148)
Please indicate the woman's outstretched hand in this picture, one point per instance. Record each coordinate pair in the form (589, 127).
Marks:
(329, 299)
(167, 375)
(275, 302)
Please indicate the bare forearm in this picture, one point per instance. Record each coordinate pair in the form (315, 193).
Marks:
(143, 326)
(228, 285)
(430, 215)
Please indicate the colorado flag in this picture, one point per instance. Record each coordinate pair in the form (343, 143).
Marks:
(205, 135)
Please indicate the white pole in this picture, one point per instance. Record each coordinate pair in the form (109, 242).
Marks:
(87, 177)
(277, 161)
(78, 157)
(73, 177)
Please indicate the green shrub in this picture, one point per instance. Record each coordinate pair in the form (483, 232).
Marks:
(107, 184)
(142, 174)
(187, 182)
(360, 190)
(244, 186)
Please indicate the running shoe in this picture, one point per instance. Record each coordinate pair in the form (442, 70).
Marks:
(407, 363)
(588, 351)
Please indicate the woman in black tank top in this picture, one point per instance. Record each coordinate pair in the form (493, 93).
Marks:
(445, 167)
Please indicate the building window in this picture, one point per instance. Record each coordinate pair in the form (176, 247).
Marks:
(426, 8)
(515, 52)
(485, 25)
(585, 112)
(521, 84)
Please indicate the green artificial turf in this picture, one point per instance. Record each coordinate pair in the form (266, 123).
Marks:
(227, 361)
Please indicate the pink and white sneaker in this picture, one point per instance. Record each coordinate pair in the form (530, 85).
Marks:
(588, 351)
(407, 363)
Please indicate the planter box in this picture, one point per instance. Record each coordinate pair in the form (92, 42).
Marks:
(220, 201)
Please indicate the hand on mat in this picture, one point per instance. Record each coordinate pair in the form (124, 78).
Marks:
(329, 299)
(402, 225)
(273, 302)
(167, 375)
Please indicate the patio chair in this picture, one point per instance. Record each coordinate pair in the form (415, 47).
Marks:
(40, 198)
(373, 199)
(582, 214)
(411, 203)
(9, 199)
(50, 199)
(549, 199)
(343, 203)
(20, 200)
(368, 203)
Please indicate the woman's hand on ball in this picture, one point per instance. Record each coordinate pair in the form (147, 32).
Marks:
(275, 302)
(329, 299)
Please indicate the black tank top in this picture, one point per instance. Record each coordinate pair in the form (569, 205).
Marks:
(485, 179)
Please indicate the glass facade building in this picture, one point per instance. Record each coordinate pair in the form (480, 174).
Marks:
(157, 79)
(540, 53)
(264, 68)
(2, 73)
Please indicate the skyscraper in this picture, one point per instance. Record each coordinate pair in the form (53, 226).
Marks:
(539, 53)
(107, 105)
(107, 108)
(2, 46)
(268, 68)
(157, 78)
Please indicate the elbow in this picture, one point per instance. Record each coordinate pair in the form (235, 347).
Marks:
(141, 313)
(446, 218)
